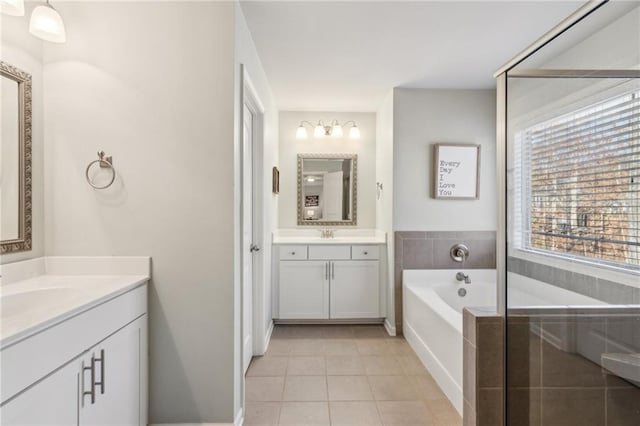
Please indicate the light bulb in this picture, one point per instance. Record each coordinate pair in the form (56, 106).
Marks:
(46, 23)
(318, 131)
(337, 131)
(301, 133)
(12, 7)
(354, 132)
(311, 179)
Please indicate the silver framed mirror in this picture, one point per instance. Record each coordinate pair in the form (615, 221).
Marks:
(327, 189)
(15, 160)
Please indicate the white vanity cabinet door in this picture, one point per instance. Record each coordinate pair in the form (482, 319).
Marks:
(117, 379)
(355, 290)
(304, 290)
(51, 402)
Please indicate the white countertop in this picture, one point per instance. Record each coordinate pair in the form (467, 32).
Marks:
(37, 294)
(341, 236)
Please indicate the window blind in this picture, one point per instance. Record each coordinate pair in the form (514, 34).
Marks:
(580, 182)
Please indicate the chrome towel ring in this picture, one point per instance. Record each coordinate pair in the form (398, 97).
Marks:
(105, 163)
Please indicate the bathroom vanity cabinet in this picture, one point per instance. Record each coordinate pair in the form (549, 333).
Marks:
(90, 369)
(326, 282)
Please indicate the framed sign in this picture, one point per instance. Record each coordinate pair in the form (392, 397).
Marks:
(311, 200)
(456, 170)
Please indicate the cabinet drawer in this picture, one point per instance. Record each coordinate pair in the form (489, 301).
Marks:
(365, 252)
(293, 252)
(330, 252)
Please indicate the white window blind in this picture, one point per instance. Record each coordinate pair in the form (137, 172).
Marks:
(580, 183)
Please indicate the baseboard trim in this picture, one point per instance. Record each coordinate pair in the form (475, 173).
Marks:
(391, 329)
(267, 337)
(239, 420)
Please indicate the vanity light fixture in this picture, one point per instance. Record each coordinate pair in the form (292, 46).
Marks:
(335, 129)
(46, 23)
(12, 7)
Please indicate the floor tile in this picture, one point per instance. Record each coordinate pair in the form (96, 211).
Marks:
(340, 347)
(369, 331)
(358, 413)
(278, 347)
(306, 347)
(399, 346)
(404, 413)
(373, 347)
(264, 388)
(412, 366)
(304, 414)
(349, 388)
(268, 366)
(306, 366)
(305, 388)
(348, 365)
(261, 413)
(426, 387)
(382, 365)
(338, 332)
(443, 411)
(392, 388)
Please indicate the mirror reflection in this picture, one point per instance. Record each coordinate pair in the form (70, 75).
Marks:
(327, 189)
(9, 159)
(15, 159)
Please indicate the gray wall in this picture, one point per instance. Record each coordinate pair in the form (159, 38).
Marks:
(426, 117)
(160, 99)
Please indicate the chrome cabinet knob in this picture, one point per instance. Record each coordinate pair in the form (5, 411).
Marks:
(366, 253)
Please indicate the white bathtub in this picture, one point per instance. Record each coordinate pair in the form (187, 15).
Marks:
(432, 315)
(432, 320)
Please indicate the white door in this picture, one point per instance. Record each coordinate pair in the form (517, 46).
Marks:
(304, 289)
(51, 402)
(248, 246)
(116, 380)
(332, 194)
(355, 289)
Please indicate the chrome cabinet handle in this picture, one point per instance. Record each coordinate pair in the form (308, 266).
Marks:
(333, 270)
(92, 392)
(101, 382)
(326, 271)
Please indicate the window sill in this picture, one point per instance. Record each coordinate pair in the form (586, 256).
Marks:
(605, 272)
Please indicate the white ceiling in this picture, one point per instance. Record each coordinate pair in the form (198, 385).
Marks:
(346, 56)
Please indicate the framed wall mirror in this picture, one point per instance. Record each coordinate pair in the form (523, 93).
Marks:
(15, 159)
(327, 189)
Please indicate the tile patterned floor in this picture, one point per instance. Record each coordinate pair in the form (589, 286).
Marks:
(342, 376)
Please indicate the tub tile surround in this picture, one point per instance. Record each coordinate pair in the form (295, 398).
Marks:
(430, 250)
(555, 376)
(588, 285)
(483, 359)
(357, 375)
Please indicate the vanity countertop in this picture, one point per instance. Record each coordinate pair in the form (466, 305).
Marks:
(55, 293)
(313, 236)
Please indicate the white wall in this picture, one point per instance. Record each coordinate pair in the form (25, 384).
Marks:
(290, 147)
(384, 205)
(421, 118)
(22, 50)
(247, 56)
(160, 99)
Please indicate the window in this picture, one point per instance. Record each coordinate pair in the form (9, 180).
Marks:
(579, 183)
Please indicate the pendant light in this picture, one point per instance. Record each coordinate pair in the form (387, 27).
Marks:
(12, 7)
(46, 23)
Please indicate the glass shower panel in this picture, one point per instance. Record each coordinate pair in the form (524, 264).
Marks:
(573, 226)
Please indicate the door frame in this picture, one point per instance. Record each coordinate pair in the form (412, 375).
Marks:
(250, 98)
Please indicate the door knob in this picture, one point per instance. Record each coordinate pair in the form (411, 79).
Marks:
(254, 248)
